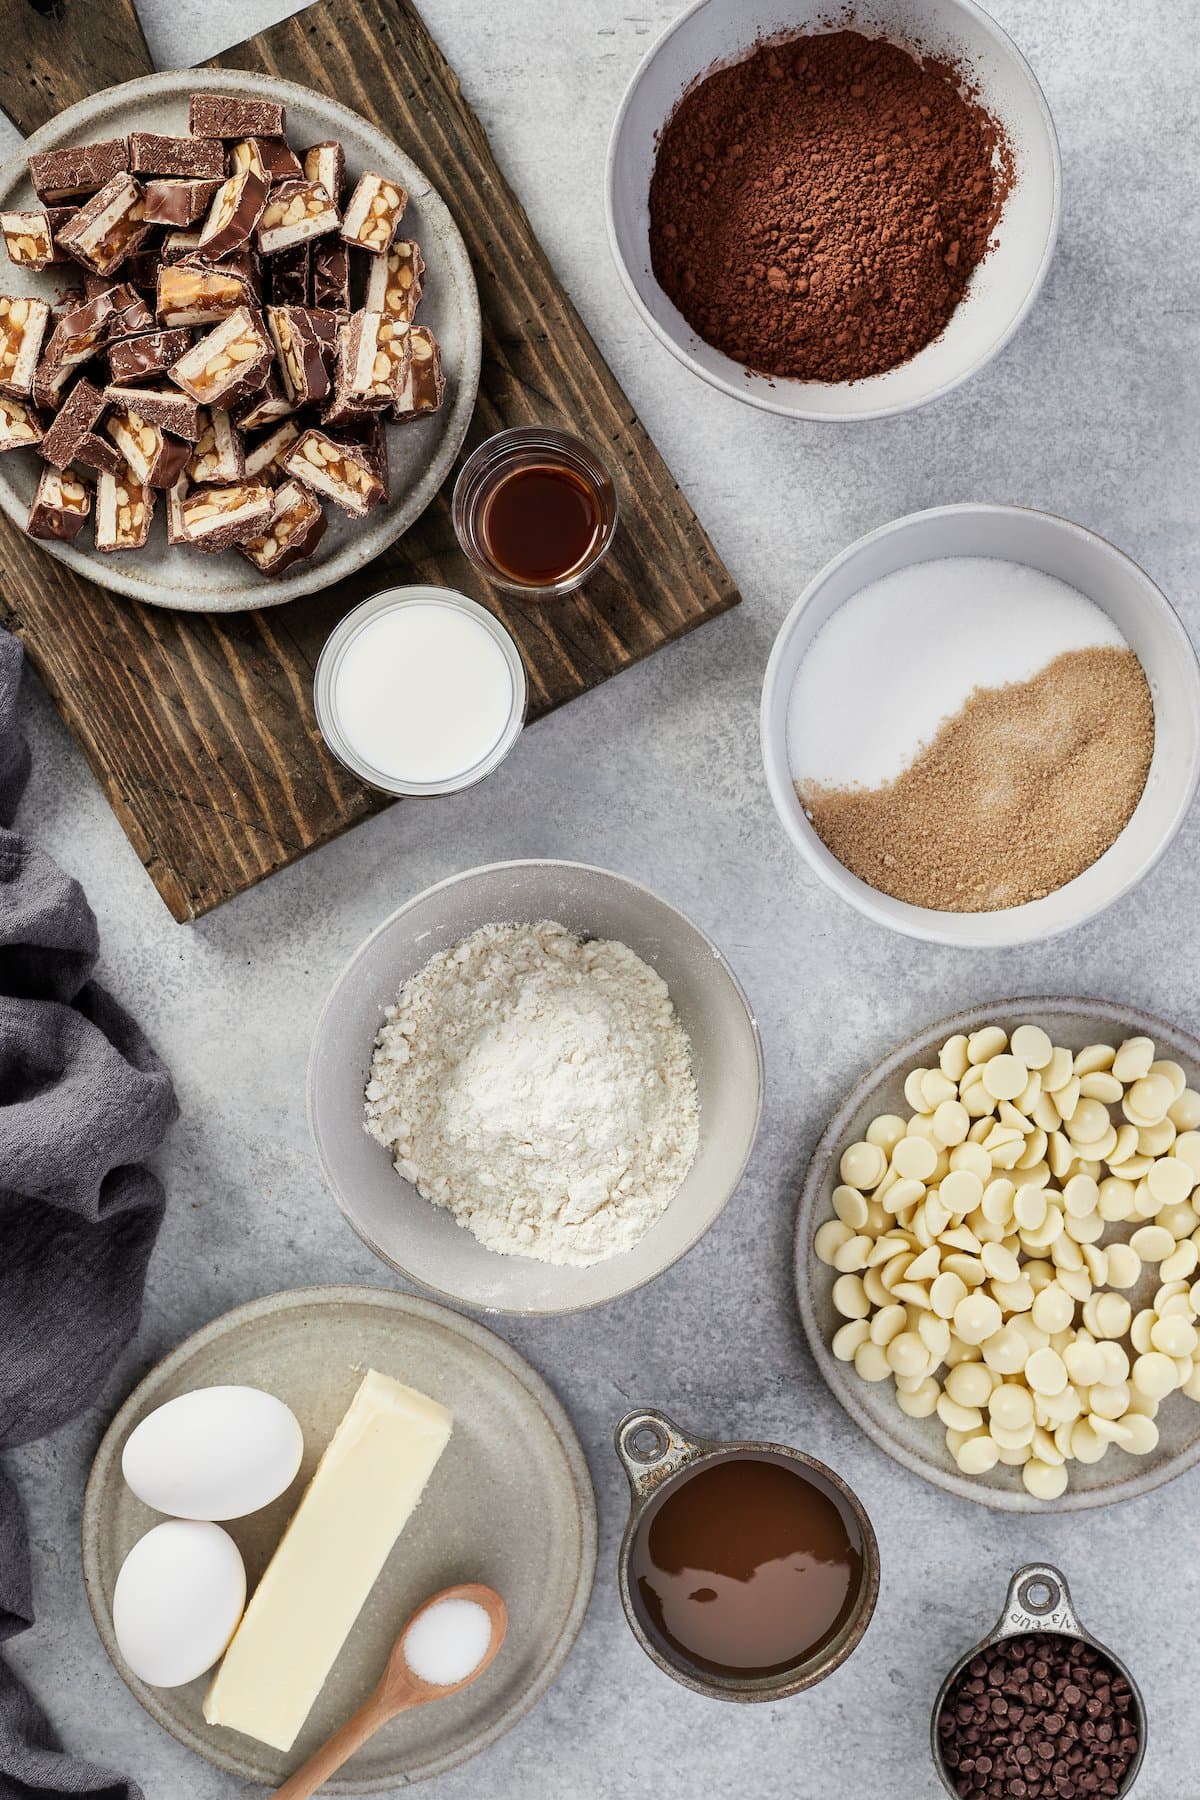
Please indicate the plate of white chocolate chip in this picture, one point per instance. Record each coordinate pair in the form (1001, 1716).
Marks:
(998, 1254)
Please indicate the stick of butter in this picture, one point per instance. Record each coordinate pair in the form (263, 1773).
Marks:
(364, 1491)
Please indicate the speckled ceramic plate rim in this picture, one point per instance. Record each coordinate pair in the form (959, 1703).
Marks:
(840, 1378)
(453, 265)
(105, 1469)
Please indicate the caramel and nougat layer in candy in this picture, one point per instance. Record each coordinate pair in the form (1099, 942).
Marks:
(394, 282)
(194, 291)
(29, 239)
(110, 227)
(20, 426)
(342, 472)
(236, 209)
(219, 455)
(229, 363)
(300, 353)
(424, 386)
(124, 512)
(155, 459)
(23, 323)
(296, 527)
(296, 212)
(217, 518)
(60, 507)
(374, 213)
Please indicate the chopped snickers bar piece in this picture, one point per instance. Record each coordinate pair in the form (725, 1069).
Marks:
(236, 209)
(372, 359)
(195, 292)
(219, 455)
(165, 407)
(301, 353)
(326, 164)
(109, 228)
(178, 202)
(29, 239)
(229, 363)
(368, 438)
(76, 418)
(60, 507)
(81, 169)
(423, 388)
(23, 323)
(340, 471)
(216, 518)
(296, 527)
(95, 452)
(265, 460)
(193, 158)
(394, 283)
(295, 212)
(124, 511)
(375, 210)
(228, 116)
(20, 426)
(331, 275)
(140, 358)
(278, 159)
(155, 459)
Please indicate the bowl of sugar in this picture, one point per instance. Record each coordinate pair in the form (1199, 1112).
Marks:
(535, 1087)
(981, 725)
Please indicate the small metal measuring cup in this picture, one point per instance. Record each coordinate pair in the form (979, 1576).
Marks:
(1038, 1602)
(657, 1458)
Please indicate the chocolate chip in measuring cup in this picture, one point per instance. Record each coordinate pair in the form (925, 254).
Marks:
(1039, 1718)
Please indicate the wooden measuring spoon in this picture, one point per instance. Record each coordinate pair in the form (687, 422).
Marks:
(399, 1690)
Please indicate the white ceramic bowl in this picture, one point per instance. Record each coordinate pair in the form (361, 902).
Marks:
(421, 1240)
(1002, 288)
(1140, 612)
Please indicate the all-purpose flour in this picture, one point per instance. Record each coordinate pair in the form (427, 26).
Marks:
(539, 1088)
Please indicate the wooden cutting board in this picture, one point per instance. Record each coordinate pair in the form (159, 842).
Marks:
(200, 729)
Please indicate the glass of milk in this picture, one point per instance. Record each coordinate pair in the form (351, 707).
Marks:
(420, 691)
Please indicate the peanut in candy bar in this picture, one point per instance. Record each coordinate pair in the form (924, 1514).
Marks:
(154, 459)
(60, 507)
(424, 385)
(339, 471)
(394, 283)
(23, 323)
(219, 455)
(231, 362)
(217, 518)
(296, 212)
(374, 213)
(109, 227)
(295, 528)
(124, 512)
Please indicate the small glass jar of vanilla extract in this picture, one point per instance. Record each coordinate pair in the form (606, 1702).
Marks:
(535, 511)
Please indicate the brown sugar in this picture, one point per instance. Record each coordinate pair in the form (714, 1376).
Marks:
(1018, 792)
(816, 209)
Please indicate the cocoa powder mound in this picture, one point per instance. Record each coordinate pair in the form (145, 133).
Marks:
(1017, 793)
(816, 209)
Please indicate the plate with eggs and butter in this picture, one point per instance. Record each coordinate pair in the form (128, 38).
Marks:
(997, 1254)
(277, 1497)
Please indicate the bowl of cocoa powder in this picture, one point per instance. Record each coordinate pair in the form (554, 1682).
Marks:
(833, 222)
(981, 725)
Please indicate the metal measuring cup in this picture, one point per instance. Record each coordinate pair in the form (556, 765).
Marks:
(1038, 1602)
(657, 1458)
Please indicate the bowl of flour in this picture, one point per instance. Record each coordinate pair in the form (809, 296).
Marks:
(535, 1087)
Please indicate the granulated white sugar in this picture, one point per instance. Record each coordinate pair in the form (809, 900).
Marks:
(907, 651)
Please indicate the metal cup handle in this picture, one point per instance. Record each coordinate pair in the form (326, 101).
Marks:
(651, 1448)
(1038, 1599)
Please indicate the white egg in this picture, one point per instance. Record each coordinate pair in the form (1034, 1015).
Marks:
(216, 1453)
(177, 1602)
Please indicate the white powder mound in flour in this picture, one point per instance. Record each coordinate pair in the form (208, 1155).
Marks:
(539, 1088)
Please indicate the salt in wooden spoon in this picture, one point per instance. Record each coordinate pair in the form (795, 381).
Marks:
(399, 1690)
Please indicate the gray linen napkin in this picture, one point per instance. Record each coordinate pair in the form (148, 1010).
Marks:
(83, 1100)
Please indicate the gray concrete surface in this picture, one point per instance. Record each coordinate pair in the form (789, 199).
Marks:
(1091, 412)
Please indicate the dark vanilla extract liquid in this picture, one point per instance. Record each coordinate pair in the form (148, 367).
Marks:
(747, 1569)
(539, 523)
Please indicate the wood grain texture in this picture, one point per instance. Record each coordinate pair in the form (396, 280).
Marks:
(59, 51)
(201, 729)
